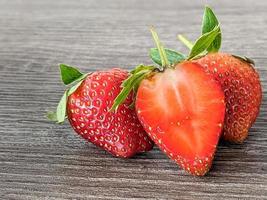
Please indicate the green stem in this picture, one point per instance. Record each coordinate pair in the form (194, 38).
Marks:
(185, 41)
(162, 53)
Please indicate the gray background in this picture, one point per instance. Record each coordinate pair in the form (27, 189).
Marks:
(40, 160)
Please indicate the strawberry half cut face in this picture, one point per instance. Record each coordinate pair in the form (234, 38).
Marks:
(182, 109)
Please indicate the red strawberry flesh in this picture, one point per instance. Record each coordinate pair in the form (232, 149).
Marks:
(182, 109)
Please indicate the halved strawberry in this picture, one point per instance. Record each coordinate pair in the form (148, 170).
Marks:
(180, 106)
(182, 109)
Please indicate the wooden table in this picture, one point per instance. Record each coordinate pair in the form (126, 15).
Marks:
(41, 160)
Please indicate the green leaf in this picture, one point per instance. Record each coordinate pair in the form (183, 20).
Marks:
(202, 44)
(77, 84)
(52, 116)
(185, 41)
(142, 67)
(121, 97)
(127, 88)
(69, 74)
(135, 88)
(61, 108)
(131, 84)
(209, 22)
(60, 114)
(160, 47)
(172, 56)
(74, 88)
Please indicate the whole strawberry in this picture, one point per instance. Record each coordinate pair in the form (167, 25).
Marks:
(242, 89)
(238, 79)
(87, 105)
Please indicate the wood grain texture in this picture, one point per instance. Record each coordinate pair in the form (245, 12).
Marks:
(40, 160)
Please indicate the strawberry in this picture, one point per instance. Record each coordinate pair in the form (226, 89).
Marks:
(181, 108)
(87, 107)
(242, 89)
(239, 80)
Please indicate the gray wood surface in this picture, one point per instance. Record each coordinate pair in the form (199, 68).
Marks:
(40, 160)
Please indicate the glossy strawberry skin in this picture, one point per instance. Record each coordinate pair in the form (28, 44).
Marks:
(119, 133)
(182, 110)
(241, 85)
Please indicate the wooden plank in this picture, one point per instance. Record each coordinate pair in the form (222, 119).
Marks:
(40, 160)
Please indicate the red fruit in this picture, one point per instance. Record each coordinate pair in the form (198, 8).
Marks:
(182, 109)
(241, 85)
(119, 133)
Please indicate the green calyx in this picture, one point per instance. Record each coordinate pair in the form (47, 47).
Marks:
(167, 58)
(209, 23)
(202, 44)
(172, 56)
(69, 74)
(131, 84)
(185, 41)
(209, 41)
(163, 57)
(71, 77)
(162, 54)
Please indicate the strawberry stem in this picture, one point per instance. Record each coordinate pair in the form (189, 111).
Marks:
(162, 53)
(185, 41)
